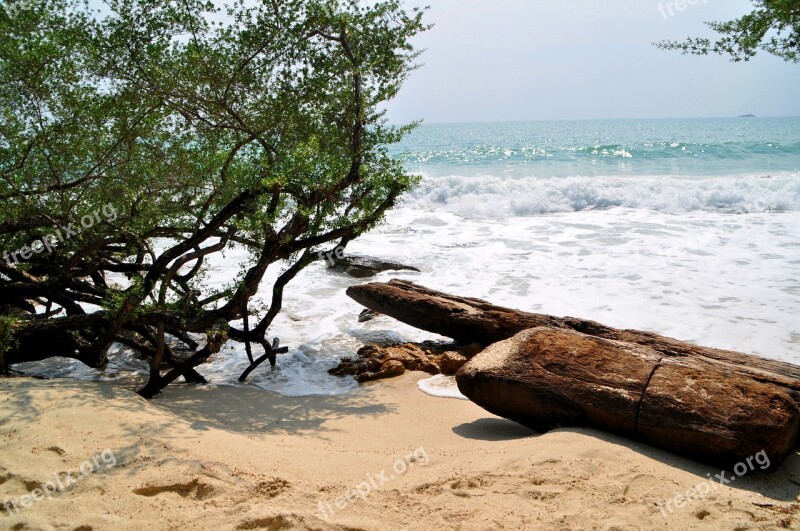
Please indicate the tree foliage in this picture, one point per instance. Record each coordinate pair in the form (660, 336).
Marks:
(773, 27)
(181, 130)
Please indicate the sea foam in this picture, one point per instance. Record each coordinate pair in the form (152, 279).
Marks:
(440, 386)
(497, 197)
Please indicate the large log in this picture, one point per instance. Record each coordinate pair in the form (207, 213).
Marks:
(469, 320)
(548, 377)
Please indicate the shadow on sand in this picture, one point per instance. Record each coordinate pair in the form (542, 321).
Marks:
(493, 429)
(781, 485)
(243, 409)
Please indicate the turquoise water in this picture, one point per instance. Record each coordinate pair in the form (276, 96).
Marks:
(679, 147)
(502, 170)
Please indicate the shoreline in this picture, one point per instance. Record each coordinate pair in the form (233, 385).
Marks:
(386, 455)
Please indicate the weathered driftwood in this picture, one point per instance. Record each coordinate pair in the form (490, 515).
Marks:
(550, 377)
(468, 320)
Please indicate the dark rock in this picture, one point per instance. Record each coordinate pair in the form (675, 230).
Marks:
(365, 266)
(347, 366)
(376, 362)
(450, 362)
(546, 378)
(388, 369)
(716, 417)
(367, 315)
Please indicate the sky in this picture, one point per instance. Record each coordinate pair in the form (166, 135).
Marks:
(507, 60)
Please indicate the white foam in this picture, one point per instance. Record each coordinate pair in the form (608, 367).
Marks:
(496, 197)
(441, 386)
(719, 279)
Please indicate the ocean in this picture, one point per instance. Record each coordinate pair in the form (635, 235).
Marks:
(685, 227)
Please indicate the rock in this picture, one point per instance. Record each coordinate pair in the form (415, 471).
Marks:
(347, 366)
(367, 315)
(365, 266)
(714, 417)
(546, 378)
(389, 369)
(471, 350)
(376, 362)
(412, 356)
(450, 362)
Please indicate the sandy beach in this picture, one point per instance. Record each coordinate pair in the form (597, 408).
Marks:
(384, 457)
(264, 263)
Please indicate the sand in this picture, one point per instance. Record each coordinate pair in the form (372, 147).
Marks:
(385, 457)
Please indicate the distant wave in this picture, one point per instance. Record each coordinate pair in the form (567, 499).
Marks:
(645, 151)
(501, 197)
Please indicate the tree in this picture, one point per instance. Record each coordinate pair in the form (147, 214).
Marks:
(774, 27)
(138, 143)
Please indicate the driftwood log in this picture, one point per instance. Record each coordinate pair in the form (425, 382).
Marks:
(468, 320)
(716, 406)
(547, 378)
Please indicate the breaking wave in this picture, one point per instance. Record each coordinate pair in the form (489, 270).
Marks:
(501, 197)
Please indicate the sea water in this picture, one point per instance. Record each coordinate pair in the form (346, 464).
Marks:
(687, 228)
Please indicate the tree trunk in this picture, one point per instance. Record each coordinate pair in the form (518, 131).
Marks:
(468, 320)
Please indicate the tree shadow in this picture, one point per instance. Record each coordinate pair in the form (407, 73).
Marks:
(244, 409)
(24, 408)
(27, 401)
(236, 409)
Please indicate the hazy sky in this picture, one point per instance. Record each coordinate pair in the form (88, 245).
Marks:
(570, 59)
